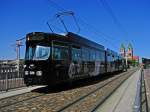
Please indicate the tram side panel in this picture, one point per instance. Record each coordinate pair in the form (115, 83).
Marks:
(86, 62)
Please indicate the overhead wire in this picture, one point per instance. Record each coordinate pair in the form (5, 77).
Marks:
(103, 35)
(100, 34)
(114, 18)
(58, 7)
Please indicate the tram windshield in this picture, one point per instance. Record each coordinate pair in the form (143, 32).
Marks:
(37, 53)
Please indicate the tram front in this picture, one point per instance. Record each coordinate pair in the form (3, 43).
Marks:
(37, 59)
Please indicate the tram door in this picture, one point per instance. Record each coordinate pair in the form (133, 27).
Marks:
(60, 59)
(75, 65)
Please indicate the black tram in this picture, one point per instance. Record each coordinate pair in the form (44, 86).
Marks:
(53, 58)
(146, 63)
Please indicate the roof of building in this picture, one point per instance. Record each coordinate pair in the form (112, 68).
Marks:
(130, 46)
(122, 46)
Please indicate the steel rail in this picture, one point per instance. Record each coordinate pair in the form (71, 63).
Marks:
(13, 103)
(101, 102)
(88, 94)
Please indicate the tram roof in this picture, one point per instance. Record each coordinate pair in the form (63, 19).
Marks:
(112, 52)
(82, 40)
(70, 37)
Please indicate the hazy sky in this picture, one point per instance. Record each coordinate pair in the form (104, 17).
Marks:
(107, 22)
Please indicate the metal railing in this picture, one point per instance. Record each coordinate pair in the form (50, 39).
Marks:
(10, 78)
(141, 103)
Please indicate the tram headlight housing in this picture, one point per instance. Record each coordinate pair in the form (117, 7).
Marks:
(26, 72)
(39, 73)
(32, 72)
(24, 66)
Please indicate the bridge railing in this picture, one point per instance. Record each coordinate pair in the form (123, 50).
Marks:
(10, 78)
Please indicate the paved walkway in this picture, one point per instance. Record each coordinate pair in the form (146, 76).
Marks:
(147, 82)
(18, 91)
(123, 99)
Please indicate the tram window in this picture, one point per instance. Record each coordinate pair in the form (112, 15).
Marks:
(102, 57)
(92, 55)
(30, 53)
(108, 58)
(37, 53)
(76, 54)
(60, 53)
(97, 56)
(41, 53)
(85, 54)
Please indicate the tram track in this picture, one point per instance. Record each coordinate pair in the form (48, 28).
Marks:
(5, 102)
(99, 103)
(77, 103)
(55, 101)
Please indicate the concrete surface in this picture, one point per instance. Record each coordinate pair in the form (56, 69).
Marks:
(18, 91)
(147, 83)
(123, 98)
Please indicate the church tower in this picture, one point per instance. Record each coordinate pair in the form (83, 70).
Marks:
(130, 52)
(122, 50)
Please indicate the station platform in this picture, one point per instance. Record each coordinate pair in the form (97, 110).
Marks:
(123, 99)
(18, 91)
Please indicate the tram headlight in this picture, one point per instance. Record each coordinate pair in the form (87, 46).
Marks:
(39, 73)
(32, 72)
(24, 66)
(26, 72)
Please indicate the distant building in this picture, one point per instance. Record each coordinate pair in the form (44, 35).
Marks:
(11, 64)
(122, 50)
(130, 52)
(132, 60)
(136, 58)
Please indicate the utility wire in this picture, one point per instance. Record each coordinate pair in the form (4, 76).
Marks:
(58, 7)
(100, 34)
(106, 36)
(112, 14)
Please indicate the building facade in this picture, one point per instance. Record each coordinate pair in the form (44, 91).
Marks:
(129, 54)
(122, 50)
